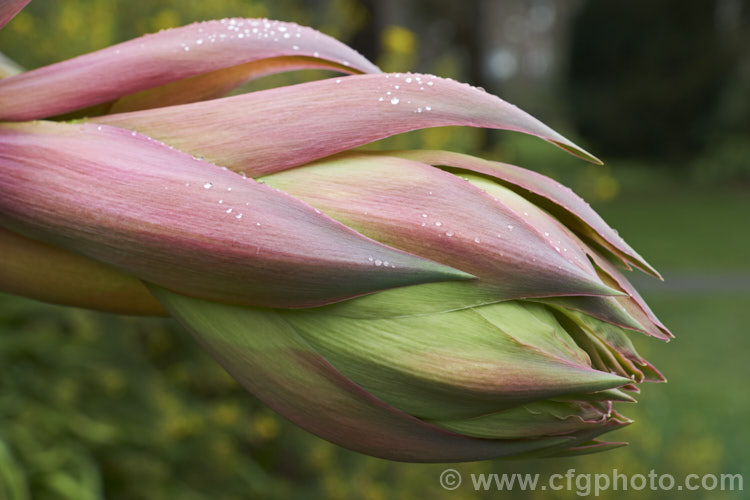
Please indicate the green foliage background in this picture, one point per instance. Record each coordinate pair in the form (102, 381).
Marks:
(101, 406)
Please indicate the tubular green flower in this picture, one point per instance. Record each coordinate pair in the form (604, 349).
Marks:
(412, 305)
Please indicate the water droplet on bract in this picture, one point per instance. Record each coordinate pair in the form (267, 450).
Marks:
(546, 233)
(229, 210)
(257, 224)
(510, 228)
(477, 240)
(394, 100)
(378, 262)
(428, 108)
(438, 223)
(449, 234)
(424, 215)
(370, 258)
(238, 216)
(381, 99)
(208, 185)
(408, 80)
(221, 201)
(386, 263)
(99, 127)
(430, 84)
(134, 133)
(229, 189)
(338, 80)
(295, 47)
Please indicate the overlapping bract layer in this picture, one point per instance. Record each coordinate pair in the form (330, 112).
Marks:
(413, 305)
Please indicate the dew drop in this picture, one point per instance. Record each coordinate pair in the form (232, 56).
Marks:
(477, 240)
(510, 227)
(208, 185)
(378, 262)
(438, 223)
(229, 210)
(449, 234)
(394, 100)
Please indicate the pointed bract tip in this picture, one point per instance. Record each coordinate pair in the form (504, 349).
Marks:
(577, 151)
